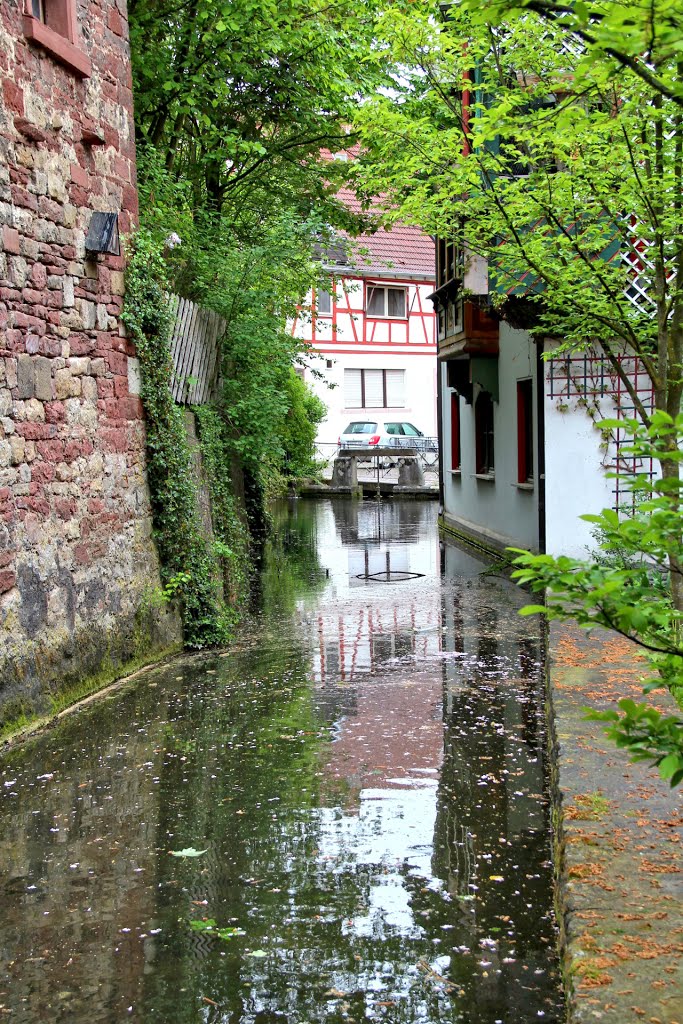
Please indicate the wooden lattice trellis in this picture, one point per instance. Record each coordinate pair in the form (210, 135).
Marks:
(583, 378)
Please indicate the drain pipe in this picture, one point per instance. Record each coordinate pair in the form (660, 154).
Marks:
(540, 433)
(439, 429)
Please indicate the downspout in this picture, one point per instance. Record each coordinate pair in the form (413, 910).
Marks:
(540, 432)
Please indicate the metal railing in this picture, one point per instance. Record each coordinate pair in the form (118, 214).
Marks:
(427, 449)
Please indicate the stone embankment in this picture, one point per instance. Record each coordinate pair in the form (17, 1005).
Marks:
(621, 835)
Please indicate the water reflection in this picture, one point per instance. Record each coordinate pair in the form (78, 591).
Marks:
(364, 774)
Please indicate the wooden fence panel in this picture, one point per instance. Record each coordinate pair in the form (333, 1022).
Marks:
(195, 351)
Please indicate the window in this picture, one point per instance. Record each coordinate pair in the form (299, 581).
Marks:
(446, 261)
(323, 302)
(455, 430)
(51, 24)
(374, 389)
(483, 428)
(525, 432)
(386, 302)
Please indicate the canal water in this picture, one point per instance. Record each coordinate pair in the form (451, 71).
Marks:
(342, 819)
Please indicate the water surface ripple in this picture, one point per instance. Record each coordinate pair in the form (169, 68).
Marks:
(358, 788)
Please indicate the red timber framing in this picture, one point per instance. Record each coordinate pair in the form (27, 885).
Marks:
(414, 332)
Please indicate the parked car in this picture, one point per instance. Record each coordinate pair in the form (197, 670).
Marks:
(386, 434)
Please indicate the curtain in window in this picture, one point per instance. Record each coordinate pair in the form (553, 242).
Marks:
(376, 301)
(396, 299)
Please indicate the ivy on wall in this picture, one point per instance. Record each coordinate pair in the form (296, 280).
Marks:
(191, 566)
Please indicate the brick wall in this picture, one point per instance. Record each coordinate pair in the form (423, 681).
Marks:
(75, 535)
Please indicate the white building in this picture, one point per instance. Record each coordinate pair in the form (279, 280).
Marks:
(522, 458)
(373, 332)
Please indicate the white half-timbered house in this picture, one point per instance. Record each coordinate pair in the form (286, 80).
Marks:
(372, 332)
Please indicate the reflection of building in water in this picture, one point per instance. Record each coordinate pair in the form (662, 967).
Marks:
(361, 640)
(358, 539)
(492, 838)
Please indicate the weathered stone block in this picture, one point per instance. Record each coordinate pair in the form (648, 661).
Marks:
(25, 377)
(42, 369)
(66, 385)
(68, 292)
(89, 389)
(79, 365)
(17, 449)
(8, 580)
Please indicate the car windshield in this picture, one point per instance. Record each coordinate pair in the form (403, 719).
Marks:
(361, 428)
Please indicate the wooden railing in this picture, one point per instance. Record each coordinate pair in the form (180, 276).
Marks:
(195, 351)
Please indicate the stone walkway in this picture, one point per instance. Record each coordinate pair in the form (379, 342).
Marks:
(623, 842)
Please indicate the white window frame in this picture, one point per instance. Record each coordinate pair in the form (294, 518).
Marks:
(385, 289)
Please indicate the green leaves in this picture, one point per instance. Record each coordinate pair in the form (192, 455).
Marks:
(209, 927)
(647, 735)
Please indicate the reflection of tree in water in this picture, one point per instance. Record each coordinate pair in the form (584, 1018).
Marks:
(291, 566)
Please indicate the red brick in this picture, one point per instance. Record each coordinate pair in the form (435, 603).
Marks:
(79, 175)
(42, 472)
(121, 386)
(66, 508)
(14, 96)
(39, 275)
(20, 197)
(81, 345)
(8, 580)
(35, 431)
(51, 451)
(129, 199)
(10, 240)
(117, 362)
(55, 412)
(116, 23)
(76, 449)
(82, 554)
(133, 409)
(37, 505)
(34, 297)
(114, 439)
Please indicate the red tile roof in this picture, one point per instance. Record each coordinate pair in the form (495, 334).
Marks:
(404, 249)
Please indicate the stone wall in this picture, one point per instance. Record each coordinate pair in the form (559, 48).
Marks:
(76, 554)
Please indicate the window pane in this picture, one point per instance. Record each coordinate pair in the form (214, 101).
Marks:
(374, 389)
(393, 428)
(376, 301)
(396, 396)
(361, 427)
(410, 430)
(397, 302)
(352, 389)
(324, 301)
